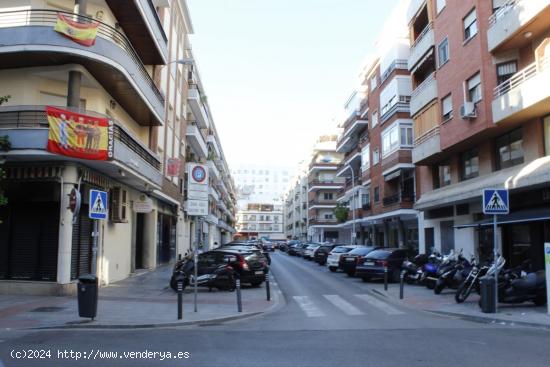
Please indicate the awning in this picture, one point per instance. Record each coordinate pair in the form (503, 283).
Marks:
(522, 216)
(421, 61)
(392, 176)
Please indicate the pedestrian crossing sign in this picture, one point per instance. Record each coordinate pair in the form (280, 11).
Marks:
(495, 201)
(98, 207)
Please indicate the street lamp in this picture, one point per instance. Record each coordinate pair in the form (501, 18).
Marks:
(353, 234)
(184, 61)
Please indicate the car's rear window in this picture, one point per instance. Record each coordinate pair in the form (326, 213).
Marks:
(379, 254)
(361, 251)
(340, 250)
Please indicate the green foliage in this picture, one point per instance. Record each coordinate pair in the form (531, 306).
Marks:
(341, 213)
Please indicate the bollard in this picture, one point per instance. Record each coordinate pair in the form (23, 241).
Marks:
(239, 301)
(385, 278)
(180, 299)
(267, 289)
(402, 284)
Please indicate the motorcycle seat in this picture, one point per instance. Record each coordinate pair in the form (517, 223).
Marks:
(531, 280)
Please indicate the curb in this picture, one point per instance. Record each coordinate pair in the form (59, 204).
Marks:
(462, 316)
(150, 326)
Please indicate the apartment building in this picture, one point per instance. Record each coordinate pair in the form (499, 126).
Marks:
(261, 183)
(323, 188)
(377, 143)
(128, 73)
(480, 109)
(260, 221)
(295, 208)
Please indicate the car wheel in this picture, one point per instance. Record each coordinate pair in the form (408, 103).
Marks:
(365, 279)
(332, 268)
(350, 274)
(256, 284)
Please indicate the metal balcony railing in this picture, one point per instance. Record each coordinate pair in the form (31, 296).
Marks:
(521, 77)
(421, 36)
(45, 17)
(396, 64)
(401, 104)
(503, 10)
(425, 83)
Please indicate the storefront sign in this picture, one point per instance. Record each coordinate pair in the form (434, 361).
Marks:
(143, 205)
(547, 262)
(79, 136)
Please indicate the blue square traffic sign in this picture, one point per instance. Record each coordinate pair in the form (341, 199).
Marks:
(98, 207)
(495, 202)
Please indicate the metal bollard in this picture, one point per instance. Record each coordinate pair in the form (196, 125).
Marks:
(267, 289)
(180, 299)
(239, 300)
(385, 278)
(402, 284)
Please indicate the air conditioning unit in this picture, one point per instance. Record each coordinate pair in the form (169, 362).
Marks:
(468, 111)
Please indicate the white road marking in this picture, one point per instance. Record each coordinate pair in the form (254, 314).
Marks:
(382, 306)
(308, 306)
(343, 305)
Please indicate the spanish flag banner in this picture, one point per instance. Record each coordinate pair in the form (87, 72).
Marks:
(83, 33)
(79, 136)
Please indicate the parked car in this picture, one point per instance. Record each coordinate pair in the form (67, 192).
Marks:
(268, 246)
(249, 265)
(247, 248)
(348, 262)
(293, 249)
(309, 251)
(301, 249)
(373, 265)
(334, 256)
(321, 254)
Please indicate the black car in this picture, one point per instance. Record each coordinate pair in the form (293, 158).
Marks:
(373, 265)
(349, 261)
(249, 248)
(250, 266)
(320, 255)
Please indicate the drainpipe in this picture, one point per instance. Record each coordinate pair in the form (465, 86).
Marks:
(75, 77)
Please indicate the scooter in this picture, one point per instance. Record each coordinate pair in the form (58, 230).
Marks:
(452, 272)
(530, 287)
(414, 269)
(429, 270)
(222, 278)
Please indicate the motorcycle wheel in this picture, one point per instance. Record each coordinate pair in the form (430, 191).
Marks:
(540, 299)
(430, 284)
(462, 292)
(439, 286)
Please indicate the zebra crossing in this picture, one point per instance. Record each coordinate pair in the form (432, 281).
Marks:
(316, 308)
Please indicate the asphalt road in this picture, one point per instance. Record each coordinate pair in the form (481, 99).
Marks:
(326, 319)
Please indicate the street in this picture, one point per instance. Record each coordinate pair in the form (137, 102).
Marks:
(325, 319)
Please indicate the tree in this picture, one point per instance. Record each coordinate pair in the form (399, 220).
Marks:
(341, 213)
(5, 145)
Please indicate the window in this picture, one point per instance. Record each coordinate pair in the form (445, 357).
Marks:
(365, 198)
(374, 118)
(375, 156)
(547, 135)
(447, 107)
(469, 164)
(328, 196)
(329, 216)
(509, 149)
(406, 136)
(470, 25)
(442, 175)
(440, 4)
(365, 158)
(506, 70)
(474, 88)
(396, 136)
(443, 52)
(377, 194)
(373, 83)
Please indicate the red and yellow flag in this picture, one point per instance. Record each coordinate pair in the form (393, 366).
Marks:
(83, 33)
(79, 136)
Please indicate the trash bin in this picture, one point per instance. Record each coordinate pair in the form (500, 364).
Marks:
(87, 296)
(487, 301)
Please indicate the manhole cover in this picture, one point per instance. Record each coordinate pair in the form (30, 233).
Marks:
(47, 309)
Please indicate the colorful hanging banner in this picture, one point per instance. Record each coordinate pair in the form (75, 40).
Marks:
(83, 33)
(80, 136)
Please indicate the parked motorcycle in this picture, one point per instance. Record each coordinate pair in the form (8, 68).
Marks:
(222, 277)
(452, 272)
(471, 282)
(429, 270)
(414, 269)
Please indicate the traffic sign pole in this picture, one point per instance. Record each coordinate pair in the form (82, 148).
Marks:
(495, 255)
(95, 235)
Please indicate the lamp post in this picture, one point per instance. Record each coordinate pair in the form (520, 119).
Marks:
(353, 233)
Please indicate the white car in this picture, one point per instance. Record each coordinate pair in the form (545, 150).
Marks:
(310, 251)
(334, 256)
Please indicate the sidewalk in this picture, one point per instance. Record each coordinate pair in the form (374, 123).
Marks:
(143, 300)
(420, 297)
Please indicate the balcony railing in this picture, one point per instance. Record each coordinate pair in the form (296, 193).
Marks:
(396, 64)
(44, 17)
(426, 136)
(521, 77)
(317, 202)
(401, 104)
(422, 34)
(502, 11)
(407, 197)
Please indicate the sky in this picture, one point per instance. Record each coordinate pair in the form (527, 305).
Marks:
(278, 72)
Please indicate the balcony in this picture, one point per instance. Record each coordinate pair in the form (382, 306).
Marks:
(395, 65)
(524, 96)
(401, 104)
(213, 193)
(426, 146)
(196, 141)
(28, 39)
(211, 139)
(322, 204)
(334, 184)
(141, 24)
(27, 128)
(423, 94)
(195, 100)
(423, 44)
(509, 24)
(403, 197)
(314, 221)
(214, 173)
(314, 167)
